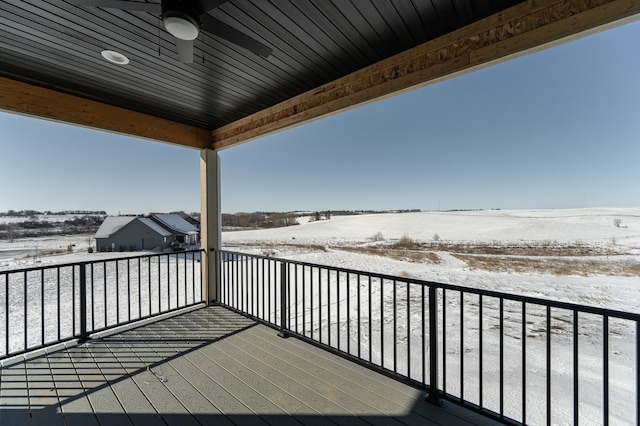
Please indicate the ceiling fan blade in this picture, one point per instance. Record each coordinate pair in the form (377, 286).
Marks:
(185, 50)
(218, 28)
(207, 5)
(121, 4)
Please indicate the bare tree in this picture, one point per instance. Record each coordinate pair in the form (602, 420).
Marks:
(617, 222)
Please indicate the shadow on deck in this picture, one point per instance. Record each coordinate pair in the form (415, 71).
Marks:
(208, 366)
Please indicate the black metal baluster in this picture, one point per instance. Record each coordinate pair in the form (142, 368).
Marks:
(231, 261)
(320, 304)
(382, 322)
(311, 299)
(73, 300)
(83, 303)
(444, 340)
(283, 301)
(117, 262)
(548, 365)
(576, 395)
(395, 328)
(24, 308)
(159, 286)
(139, 287)
(462, 347)
(264, 280)
(168, 282)
(605, 354)
(42, 307)
(359, 319)
(58, 299)
(254, 287)
(193, 274)
(434, 394)
(524, 363)
(224, 259)
(329, 305)
(348, 313)
(424, 337)
(6, 314)
(184, 265)
(269, 286)
(128, 290)
(338, 309)
(288, 289)
(296, 295)
(104, 291)
(501, 358)
(408, 330)
(481, 351)
(370, 325)
(304, 300)
(93, 305)
(149, 283)
(246, 285)
(241, 289)
(235, 280)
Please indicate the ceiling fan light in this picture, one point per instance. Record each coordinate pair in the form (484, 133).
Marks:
(181, 27)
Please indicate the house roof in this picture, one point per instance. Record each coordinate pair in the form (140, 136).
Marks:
(326, 56)
(175, 223)
(163, 224)
(113, 224)
(155, 226)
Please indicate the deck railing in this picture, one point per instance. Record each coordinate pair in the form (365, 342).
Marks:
(43, 306)
(517, 359)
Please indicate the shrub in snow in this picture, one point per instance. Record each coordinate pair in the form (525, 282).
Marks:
(378, 236)
(405, 243)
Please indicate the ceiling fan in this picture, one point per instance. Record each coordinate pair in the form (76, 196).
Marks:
(184, 20)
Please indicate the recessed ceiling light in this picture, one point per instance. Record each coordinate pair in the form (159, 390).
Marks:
(115, 57)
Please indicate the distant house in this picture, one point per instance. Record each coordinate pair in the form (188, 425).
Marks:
(183, 231)
(156, 232)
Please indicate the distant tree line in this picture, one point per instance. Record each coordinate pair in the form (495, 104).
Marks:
(258, 220)
(37, 228)
(357, 212)
(326, 215)
(34, 213)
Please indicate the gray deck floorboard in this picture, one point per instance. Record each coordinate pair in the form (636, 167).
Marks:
(209, 366)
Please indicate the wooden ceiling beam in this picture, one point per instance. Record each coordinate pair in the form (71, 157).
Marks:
(35, 101)
(530, 26)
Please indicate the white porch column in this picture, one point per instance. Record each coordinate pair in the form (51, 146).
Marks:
(210, 221)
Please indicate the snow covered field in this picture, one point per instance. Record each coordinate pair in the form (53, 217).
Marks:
(443, 247)
(323, 242)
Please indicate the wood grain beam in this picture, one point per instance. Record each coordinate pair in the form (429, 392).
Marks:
(35, 101)
(527, 27)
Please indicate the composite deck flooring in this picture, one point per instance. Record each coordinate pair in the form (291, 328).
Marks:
(209, 366)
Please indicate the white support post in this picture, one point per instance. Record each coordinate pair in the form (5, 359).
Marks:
(210, 222)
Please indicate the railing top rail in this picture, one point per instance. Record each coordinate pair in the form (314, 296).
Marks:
(89, 262)
(488, 293)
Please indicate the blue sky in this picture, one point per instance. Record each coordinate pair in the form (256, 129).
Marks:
(556, 129)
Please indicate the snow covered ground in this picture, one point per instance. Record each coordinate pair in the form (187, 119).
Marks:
(591, 226)
(332, 242)
(592, 231)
